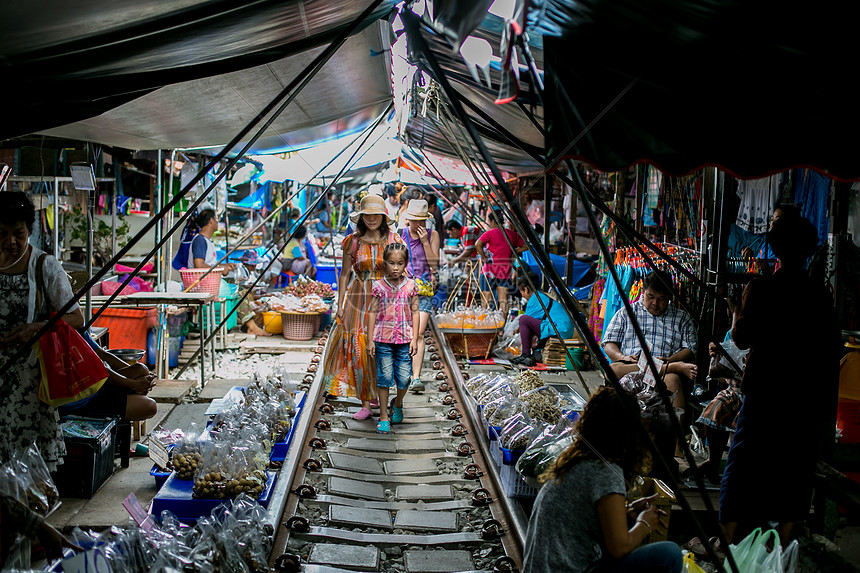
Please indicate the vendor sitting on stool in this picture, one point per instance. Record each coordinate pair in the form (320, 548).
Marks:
(669, 331)
(124, 395)
(536, 324)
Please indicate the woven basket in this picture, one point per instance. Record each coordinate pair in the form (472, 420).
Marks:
(211, 284)
(471, 343)
(300, 325)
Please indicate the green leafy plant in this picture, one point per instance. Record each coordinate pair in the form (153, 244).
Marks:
(76, 224)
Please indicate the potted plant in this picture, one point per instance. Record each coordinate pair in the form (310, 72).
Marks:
(76, 222)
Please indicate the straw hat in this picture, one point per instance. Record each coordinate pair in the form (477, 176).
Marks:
(417, 210)
(371, 205)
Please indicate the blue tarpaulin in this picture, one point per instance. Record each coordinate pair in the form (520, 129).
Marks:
(578, 271)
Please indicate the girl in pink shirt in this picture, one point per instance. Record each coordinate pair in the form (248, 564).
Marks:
(393, 319)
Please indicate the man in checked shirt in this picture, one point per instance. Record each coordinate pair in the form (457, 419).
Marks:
(670, 333)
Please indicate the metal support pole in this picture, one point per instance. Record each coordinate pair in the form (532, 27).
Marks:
(547, 207)
(571, 237)
(56, 235)
(89, 297)
(113, 218)
(159, 255)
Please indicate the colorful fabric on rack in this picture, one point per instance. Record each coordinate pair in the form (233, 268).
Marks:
(666, 334)
(812, 193)
(758, 197)
(613, 296)
(595, 320)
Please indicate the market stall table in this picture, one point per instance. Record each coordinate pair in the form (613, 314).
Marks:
(204, 303)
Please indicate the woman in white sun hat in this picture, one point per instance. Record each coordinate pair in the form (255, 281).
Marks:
(423, 263)
(348, 369)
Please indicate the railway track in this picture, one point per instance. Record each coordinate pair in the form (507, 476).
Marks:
(418, 500)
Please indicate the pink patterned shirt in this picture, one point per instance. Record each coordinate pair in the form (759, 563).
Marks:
(394, 320)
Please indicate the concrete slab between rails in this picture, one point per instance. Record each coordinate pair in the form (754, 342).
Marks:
(396, 456)
(354, 488)
(363, 517)
(390, 538)
(393, 435)
(389, 505)
(371, 445)
(417, 520)
(424, 492)
(437, 561)
(417, 467)
(355, 463)
(382, 478)
(358, 557)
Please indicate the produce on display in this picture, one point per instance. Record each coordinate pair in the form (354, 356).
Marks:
(292, 303)
(544, 449)
(25, 477)
(233, 538)
(469, 318)
(301, 288)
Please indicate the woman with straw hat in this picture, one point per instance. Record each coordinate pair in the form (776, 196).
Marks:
(423, 262)
(348, 369)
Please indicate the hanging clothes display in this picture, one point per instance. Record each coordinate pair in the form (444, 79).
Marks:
(812, 194)
(652, 196)
(757, 197)
(632, 269)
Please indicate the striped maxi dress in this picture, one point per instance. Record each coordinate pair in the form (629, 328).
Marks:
(348, 370)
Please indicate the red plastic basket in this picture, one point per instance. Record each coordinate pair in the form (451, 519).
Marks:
(210, 284)
(300, 325)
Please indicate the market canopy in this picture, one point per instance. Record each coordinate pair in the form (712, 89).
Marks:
(189, 73)
(752, 87)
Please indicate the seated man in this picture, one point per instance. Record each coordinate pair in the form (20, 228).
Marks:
(669, 331)
(124, 395)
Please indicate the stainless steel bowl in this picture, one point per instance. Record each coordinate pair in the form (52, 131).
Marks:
(129, 355)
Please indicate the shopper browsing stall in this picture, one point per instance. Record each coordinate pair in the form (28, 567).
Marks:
(542, 317)
(393, 319)
(423, 246)
(497, 271)
(349, 370)
(581, 521)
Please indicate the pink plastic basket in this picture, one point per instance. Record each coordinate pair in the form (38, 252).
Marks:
(211, 284)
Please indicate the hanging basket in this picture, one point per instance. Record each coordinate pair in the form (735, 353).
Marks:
(471, 342)
(211, 284)
(300, 325)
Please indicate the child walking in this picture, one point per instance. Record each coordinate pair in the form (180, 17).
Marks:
(393, 319)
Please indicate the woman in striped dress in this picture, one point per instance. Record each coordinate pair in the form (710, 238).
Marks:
(348, 369)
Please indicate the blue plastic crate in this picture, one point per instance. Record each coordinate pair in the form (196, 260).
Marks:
(176, 496)
(510, 457)
(159, 475)
(279, 449)
(328, 274)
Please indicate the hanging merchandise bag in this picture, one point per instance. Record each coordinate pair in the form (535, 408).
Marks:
(71, 370)
(180, 261)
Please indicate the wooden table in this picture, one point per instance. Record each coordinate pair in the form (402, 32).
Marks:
(201, 300)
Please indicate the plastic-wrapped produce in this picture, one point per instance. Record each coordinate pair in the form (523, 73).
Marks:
(519, 430)
(544, 403)
(545, 449)
(185, 457)
(528, 380)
